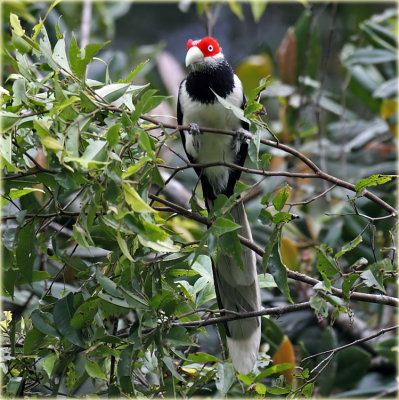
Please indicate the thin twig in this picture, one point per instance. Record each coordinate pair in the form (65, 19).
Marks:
(355, 342)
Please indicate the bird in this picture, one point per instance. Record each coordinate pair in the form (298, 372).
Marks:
(237, 289)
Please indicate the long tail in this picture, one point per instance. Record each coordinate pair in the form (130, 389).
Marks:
(238, 290)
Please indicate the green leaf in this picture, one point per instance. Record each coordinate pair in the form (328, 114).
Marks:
(17, 193)
(133, 74)
(266, 281)
(373, 180)
(236, 8)
(388, 348)
(279, 272)
(25, 253)
(349, 246)
(325, 263)
(146, 144)
(282, 217)
(199, 357)
(38, 27)
(172, 368)
(15, 385)
(123, 246)
(63, 312)
(34, 338)
(260, 388)
(163, 246)
(124, 370)
(44, 322)
(348, 283)
(224, 377)
(60, 56)
(237, 111)
(231, 246)
(16, 25)
(134, 200)
(258, 9)
(273, 239)
(373, 278)
(280, 199)
(353, 364)
(135, 167)
(81, 236)
(94, 370)
(370, 56)
(223, 225)
(84, 314)
(108, 285)
(48, 363)
(113, 134)
(8, 120)
(114, 300)
(319, 304)
(79, 59)
(275, 369)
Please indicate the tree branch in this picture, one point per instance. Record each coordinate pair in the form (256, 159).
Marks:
(358, 341)
(249, 314)
(297, 276)
(321, 174)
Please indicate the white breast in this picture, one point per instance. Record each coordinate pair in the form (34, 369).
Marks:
(212, 147)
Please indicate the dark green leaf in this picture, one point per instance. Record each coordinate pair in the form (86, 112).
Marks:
(280, 199)
(26, 251)
(63, 313)
(279, 272)
(325, 263)
(84, 314)
(94, 370)
(34, 338)
(349, 246)
(223, 225)
(172, 368)
(348, 283)
(353, 364)
(373, 278)
(44, 322)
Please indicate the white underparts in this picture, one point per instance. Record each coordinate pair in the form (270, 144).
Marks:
(210, 147)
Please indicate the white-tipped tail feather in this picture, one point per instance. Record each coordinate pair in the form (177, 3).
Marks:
(239, 291)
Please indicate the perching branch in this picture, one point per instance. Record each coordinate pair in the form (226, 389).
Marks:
(249, 314)
(297, 276)
(321, 174)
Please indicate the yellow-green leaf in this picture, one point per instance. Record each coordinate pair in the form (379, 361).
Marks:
(123, 246)
(134, 200)
(51, 143)
(16, 25)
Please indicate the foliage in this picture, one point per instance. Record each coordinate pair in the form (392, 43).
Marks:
(108, 288)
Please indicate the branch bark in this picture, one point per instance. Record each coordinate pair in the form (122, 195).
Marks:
(297, 276)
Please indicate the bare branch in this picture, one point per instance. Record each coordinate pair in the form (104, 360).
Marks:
(355, 342)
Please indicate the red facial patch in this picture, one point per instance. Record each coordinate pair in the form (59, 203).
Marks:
(208, 45)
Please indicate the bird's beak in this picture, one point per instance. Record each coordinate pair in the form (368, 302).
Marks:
(194, 55)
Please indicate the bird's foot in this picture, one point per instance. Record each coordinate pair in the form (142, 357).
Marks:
(194, 129)
(239, 138)
(241, 134)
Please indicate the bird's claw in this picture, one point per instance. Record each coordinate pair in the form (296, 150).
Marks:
(194, 128)
(241, 134)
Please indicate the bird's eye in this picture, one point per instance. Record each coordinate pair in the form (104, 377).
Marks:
(210, 48)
